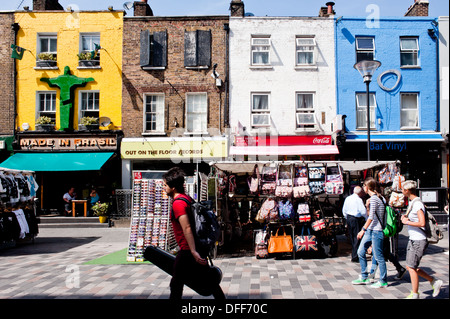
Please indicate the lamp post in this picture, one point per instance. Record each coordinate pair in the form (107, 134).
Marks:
(367, 68)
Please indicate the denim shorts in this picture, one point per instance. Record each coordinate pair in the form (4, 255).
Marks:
(414, 252)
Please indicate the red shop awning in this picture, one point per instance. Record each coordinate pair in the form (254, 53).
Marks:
(281, 150)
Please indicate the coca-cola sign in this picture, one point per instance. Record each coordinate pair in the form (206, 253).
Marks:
(283, 140)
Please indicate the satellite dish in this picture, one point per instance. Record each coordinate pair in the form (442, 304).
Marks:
(249, 14)
(104, 121)
(128, 5)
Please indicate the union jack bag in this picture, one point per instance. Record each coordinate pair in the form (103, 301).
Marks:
(305, 243)
(304, 218)
(318, 224)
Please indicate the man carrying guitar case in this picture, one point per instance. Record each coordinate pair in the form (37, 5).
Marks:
(188, 267)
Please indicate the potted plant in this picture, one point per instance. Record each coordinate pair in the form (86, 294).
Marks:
(44, 123)
(86, 59)
(88, 123)
(101, 210)
(46, 60)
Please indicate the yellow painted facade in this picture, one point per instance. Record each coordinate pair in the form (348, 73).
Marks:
(68, 26)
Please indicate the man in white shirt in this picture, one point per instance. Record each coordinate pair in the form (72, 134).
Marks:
(355, 213)
(415, 219)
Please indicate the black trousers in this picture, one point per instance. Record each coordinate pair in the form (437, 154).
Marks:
(355, 224)
(185, 267)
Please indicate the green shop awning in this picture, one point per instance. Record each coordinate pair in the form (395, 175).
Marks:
(56, 162)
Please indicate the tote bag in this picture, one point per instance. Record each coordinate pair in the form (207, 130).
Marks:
(280, 243)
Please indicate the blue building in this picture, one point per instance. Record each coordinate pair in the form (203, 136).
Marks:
(403, 93)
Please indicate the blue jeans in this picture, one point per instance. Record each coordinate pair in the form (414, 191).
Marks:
(376, 239)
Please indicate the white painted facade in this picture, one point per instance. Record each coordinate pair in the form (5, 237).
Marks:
(282, 80)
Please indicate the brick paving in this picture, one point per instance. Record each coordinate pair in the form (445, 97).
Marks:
(52, 268)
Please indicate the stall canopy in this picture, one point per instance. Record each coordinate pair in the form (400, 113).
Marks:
(237, 167)
(56, 162)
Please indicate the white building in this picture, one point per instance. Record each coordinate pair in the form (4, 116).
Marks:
(444, 94)
(282, 76)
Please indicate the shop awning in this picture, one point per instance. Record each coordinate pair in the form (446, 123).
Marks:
(56, 162)
(403, 137)
(284, 150)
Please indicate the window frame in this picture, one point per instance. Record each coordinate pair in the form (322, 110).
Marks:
(302, 111)
(203, 130)
(364, 110)
(162, 113)
(253, 50)
(89, 34)
(416, 110)
(51, 113)
(364, 51)
(81, 112)
(312, 51)
(413, 52)
(259, 112)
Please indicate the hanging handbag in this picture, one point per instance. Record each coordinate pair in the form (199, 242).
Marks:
(302, 209)
(285, 210)
(304, 243)
(280, 243)
(397, 200)
(284, 181)
(268, 180)
(253, 182)
(267, 210)
(304, 218)
(334, 182)
(397, 183)
(318, 224)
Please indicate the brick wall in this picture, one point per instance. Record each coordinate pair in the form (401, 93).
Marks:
(175, 81)
(7, 67)
(418, 9)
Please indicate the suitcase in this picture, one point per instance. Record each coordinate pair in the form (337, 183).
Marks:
(165, 261)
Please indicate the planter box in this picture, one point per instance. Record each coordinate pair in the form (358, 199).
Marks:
(88, 63)
(90, 127)
(45, 127)
(45, 64)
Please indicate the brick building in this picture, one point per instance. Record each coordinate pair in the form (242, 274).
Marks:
(7, 84)
(174, 89)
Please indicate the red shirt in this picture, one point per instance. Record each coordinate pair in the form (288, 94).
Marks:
(179, 208)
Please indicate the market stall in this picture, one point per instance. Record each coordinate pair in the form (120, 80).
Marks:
(288, 208)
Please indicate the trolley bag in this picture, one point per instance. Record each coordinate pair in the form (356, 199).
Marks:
(304, 243)
(284, 181)
(268, 180)
(165, 261)
(334, 182)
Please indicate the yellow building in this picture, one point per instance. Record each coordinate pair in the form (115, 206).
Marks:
(71, 69)
(63, 36)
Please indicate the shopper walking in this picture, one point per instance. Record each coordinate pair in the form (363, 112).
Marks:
(355, 214)
(372, 233)
(417, 244)
(188, 262)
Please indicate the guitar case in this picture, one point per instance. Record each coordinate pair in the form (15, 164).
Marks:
(165, 261)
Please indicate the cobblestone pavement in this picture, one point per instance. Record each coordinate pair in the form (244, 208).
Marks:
(52, 268)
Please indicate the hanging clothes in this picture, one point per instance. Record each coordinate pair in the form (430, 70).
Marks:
(33, 185)
(24, 229)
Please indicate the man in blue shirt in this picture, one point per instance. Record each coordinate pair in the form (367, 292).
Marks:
(355, 213)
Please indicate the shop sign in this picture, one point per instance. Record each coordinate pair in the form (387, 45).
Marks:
(66, 143)
(388, 146)
(283, 140)
(174, 149)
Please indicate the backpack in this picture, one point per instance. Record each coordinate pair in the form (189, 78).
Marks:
(391, 221)
(432, 230)
(206, 228)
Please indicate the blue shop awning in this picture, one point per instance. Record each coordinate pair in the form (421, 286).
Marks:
(395, 137)
(56, 162)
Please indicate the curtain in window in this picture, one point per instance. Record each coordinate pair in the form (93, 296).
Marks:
(260, 102)
(409, 114)
(361, 111)
(196, 113)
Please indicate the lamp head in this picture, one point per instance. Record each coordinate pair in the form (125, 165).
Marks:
(367, 68)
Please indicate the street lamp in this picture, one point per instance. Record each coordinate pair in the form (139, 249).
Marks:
(367, 68)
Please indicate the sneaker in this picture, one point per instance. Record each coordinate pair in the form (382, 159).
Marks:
(379, 284)
(436, 284)
(360, 281)
(413, 295)
(400, 274)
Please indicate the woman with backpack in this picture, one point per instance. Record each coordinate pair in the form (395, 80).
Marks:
(417, 244)
(372, 233)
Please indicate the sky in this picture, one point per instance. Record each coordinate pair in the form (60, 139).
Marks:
(274, 8)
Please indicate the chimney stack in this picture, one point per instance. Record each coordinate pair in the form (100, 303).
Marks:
(418, 9)
(142, 9)
(237, 8)
(327, 11)
(42, 5)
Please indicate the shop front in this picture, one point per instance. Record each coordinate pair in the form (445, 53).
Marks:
(63, 159)
(419, 154)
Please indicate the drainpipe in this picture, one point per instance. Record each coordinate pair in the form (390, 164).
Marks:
(15, 27)
(226, 117)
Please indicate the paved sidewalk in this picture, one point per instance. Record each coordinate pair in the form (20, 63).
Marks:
(52, 268)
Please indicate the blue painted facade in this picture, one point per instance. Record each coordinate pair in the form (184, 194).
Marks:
(386, 33)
